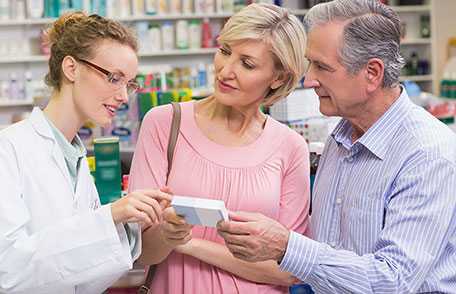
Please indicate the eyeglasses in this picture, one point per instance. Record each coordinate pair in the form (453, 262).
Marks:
(115, 79)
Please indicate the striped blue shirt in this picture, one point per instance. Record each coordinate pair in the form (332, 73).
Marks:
(384, 210)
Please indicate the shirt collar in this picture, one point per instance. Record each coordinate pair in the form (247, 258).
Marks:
(71, 151)
(378, 137)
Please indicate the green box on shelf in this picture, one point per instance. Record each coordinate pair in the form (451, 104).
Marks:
(107, 169)
(145, 103)
(447, 119)
(164, 97)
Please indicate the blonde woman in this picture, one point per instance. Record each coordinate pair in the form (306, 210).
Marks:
(229, 150)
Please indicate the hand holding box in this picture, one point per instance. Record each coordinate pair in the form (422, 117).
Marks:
(200, 211)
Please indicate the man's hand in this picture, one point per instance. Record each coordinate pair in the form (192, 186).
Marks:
(254, 237)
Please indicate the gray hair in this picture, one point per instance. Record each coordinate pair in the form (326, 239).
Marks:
(372, 31)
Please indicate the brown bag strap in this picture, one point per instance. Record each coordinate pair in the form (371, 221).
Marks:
(172, 140)
(174, 133)
(144, 289)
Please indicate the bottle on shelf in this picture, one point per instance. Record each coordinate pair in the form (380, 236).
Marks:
(411, 66)
(202, 76)
(4, 88)
(210, 6)
(194, 78)
(238, 5)
(18, 9)
(187, 6)
(14, 87)
(219, 6)
(175, 6)
(137, 7)
(448, 83)
(4, 10)
(167, 34)
(151, 7)
(227, 6)
(155, 38)
(425, 30)
(210, 73)
(29, 88)
(182, 34)
(142, 31)
(194, 34)
(206, 34)
(200, 6)
(162, 7)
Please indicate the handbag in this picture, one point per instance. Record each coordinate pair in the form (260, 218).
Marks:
(174, 133)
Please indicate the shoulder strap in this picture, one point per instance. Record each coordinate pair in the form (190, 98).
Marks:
(144, 289)
(173, 134)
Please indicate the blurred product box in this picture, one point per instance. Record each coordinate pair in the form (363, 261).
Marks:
(107, 169)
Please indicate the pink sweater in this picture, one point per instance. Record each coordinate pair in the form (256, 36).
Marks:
(269, 176)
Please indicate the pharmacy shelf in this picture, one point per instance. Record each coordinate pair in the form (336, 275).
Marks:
(15, 103)
(43, 21)
(32, 58)
(38, 21)
(180, 52)
(412, 8)
(175, 52)
(174, 16)
(417, 41)
(421, 78)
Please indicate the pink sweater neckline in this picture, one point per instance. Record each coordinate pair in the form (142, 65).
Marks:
(249, 155)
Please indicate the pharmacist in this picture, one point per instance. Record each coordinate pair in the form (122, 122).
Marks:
(384, 213)
(54, 235)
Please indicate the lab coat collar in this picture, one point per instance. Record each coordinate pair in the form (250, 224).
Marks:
(40, 124)
(42, 127)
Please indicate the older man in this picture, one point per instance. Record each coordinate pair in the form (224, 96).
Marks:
(384, 214)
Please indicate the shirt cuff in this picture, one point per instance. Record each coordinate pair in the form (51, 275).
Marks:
(134, 239)
(120, 234)
(301, 256)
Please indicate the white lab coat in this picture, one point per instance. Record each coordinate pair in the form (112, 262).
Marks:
(52, 239)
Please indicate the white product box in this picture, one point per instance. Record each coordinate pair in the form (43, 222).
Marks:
(300, 104)
(200, 211)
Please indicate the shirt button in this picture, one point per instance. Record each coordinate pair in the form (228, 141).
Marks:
(338, 200)
(332, 244)
(349, 159)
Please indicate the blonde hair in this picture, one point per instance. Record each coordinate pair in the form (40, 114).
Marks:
(77, 34)
(280, 30)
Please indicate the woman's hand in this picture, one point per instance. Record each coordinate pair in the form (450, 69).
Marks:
(174, 229)
(142, 206)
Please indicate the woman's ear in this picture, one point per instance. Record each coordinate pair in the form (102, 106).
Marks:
(69, 68)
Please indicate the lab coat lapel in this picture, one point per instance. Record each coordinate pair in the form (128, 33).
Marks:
(59, 160)
(42, 127)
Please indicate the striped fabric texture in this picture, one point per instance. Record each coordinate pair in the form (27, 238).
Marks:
(384, 209)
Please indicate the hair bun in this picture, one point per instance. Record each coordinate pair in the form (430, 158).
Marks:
(62, 24)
